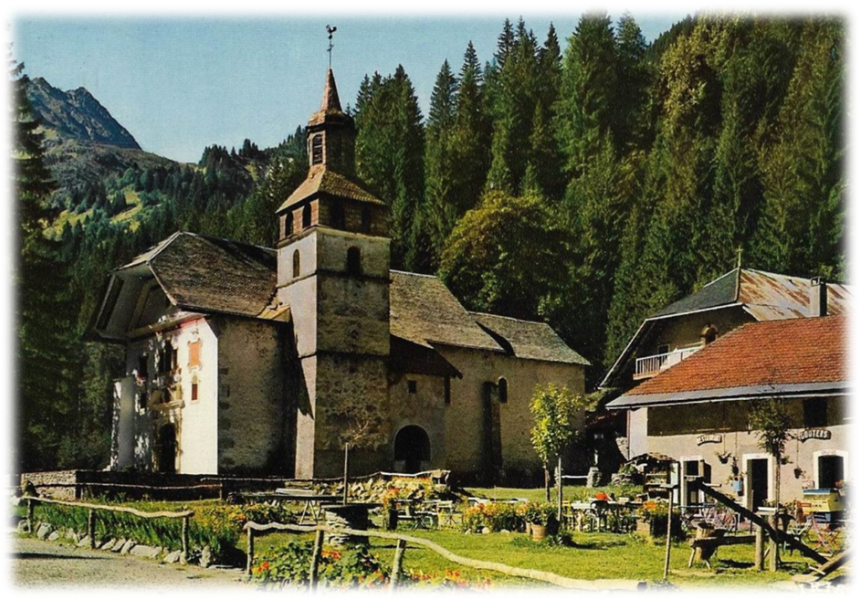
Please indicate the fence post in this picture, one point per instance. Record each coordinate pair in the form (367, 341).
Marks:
(774, 542)
(185, 526)
(759, 548)
(315, 559)
(250, 551)
(668, 537)
(397, 568)
(91, 528)
(31, 509)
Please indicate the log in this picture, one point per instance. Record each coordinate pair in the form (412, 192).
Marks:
(774, 533)
(397, 567)
(581, 584)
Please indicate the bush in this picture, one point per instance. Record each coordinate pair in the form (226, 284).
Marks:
(290, 565)
(495, 515)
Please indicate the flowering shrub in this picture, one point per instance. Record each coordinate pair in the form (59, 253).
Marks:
(495, 515)
(290, 565)
(451, 579)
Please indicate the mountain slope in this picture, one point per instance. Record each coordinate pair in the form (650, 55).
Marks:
(77, 115)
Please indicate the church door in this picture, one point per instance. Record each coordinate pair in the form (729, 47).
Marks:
(412, 446)
(166, 453)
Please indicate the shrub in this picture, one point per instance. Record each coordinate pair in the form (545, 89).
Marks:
(495, 515)
(290, 565)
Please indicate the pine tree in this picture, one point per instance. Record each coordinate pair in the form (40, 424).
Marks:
(45, 343)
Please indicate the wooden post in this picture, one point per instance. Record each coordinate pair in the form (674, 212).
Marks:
(668, 537)
(31, 509)
(397, 568)
(185, 525)
(759, 548)
(774, 543)
(346, 473)
(560, 483)
(315, 559)
(250, 551)
(91, 528)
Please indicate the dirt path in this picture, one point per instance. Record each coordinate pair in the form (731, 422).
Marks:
(37, 563)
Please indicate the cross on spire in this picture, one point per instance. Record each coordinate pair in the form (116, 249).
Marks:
(330, 31)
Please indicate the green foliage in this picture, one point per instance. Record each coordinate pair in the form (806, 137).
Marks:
(555, 411)
(771, 424)
(494, 515)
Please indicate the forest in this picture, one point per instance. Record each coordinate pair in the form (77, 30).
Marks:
(585, 183)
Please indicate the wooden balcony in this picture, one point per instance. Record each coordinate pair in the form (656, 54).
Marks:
(649, 366)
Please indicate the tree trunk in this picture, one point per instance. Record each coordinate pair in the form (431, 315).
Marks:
(546, 480)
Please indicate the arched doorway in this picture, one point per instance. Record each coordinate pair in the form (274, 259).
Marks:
(166, 451)
(412, 446)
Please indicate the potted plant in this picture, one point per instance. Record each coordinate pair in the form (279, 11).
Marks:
(723, 457)
(540, 519)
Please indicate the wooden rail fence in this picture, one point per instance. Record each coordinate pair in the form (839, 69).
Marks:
(93, 508)
(253, 528)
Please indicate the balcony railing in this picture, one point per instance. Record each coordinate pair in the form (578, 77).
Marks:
(649, 366)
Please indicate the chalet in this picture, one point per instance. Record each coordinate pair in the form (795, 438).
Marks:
(757, 340)
(243, 359)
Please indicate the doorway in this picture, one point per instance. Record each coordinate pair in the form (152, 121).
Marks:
(758, 482)
(166, 449)
(412, 446)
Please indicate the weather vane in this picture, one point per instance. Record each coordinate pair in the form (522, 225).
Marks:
(330, 31)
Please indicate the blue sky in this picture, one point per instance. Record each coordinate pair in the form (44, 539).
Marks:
(181, 83)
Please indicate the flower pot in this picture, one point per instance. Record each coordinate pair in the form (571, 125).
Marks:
(538, 531)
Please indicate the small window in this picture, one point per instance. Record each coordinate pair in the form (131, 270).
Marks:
(306, 216)
(709, 334)
(297, 264)
(142, 399)
(815, 412)
(447, 390)
(353, 261)
(503, 390)
(194, 396)
(365, 220)
(317, 149)
(412, 386)
(663, 349)
(143, 366)
(338, 218)
(167, 362)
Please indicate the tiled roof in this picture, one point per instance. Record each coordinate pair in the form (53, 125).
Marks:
(765, 358)
(528, 339)
(330, 107)
(322, 180)
(209, 274)
(425, 312)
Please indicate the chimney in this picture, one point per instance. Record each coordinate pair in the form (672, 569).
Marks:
(818, 297)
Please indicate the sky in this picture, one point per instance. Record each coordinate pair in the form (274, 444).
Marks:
(183, 82)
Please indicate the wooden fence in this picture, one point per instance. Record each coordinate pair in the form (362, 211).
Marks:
(93, 508)
(253, 528)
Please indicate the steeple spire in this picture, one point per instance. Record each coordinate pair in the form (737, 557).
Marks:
(330, 99)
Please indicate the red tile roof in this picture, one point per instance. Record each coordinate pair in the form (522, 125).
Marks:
(788, 352)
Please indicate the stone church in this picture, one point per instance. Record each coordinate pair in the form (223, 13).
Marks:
(251, 360)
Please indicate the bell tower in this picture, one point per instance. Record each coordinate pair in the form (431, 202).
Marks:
(334, 273)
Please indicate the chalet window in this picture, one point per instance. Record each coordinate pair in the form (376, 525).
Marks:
(815, 412)
(447, 390)
(353, 261)
(412, 386)
(297, 264)
(503, 390)
(306, 216)
(365, 220)
(317, 149)
(167, 362)
(142, 399)
(194, 390)
(338, 218)
(709, 334)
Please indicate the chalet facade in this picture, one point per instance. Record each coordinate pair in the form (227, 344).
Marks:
(700, 408)
(242, 359)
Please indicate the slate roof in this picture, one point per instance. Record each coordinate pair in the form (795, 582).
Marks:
(322, 180)
(208, 274)
(528, 339)
(425, 312)
(787, 357)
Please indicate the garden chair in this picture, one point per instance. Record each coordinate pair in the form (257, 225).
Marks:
(446, 514)
(825, 538)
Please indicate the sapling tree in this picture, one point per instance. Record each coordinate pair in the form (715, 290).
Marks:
(361, 426)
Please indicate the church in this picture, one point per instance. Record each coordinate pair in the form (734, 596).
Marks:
(249, 360)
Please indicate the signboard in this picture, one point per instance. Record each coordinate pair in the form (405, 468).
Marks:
(710, 438)
(815, 434)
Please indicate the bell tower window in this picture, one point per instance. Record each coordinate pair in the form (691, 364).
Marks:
(297, 264)
(317, 149)
(353, 261)
(365, 220)
(306, 216)
(338, 219)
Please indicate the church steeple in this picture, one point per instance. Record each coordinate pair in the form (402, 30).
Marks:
(331, 133)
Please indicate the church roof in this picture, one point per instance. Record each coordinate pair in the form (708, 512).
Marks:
(322, 180)
(425, 312)
(208, 274)
(528, 339)
(330, 107)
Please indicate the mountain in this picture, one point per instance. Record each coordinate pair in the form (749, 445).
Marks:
(77, 115)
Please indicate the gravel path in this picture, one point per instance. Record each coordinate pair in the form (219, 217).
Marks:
(37, 563)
